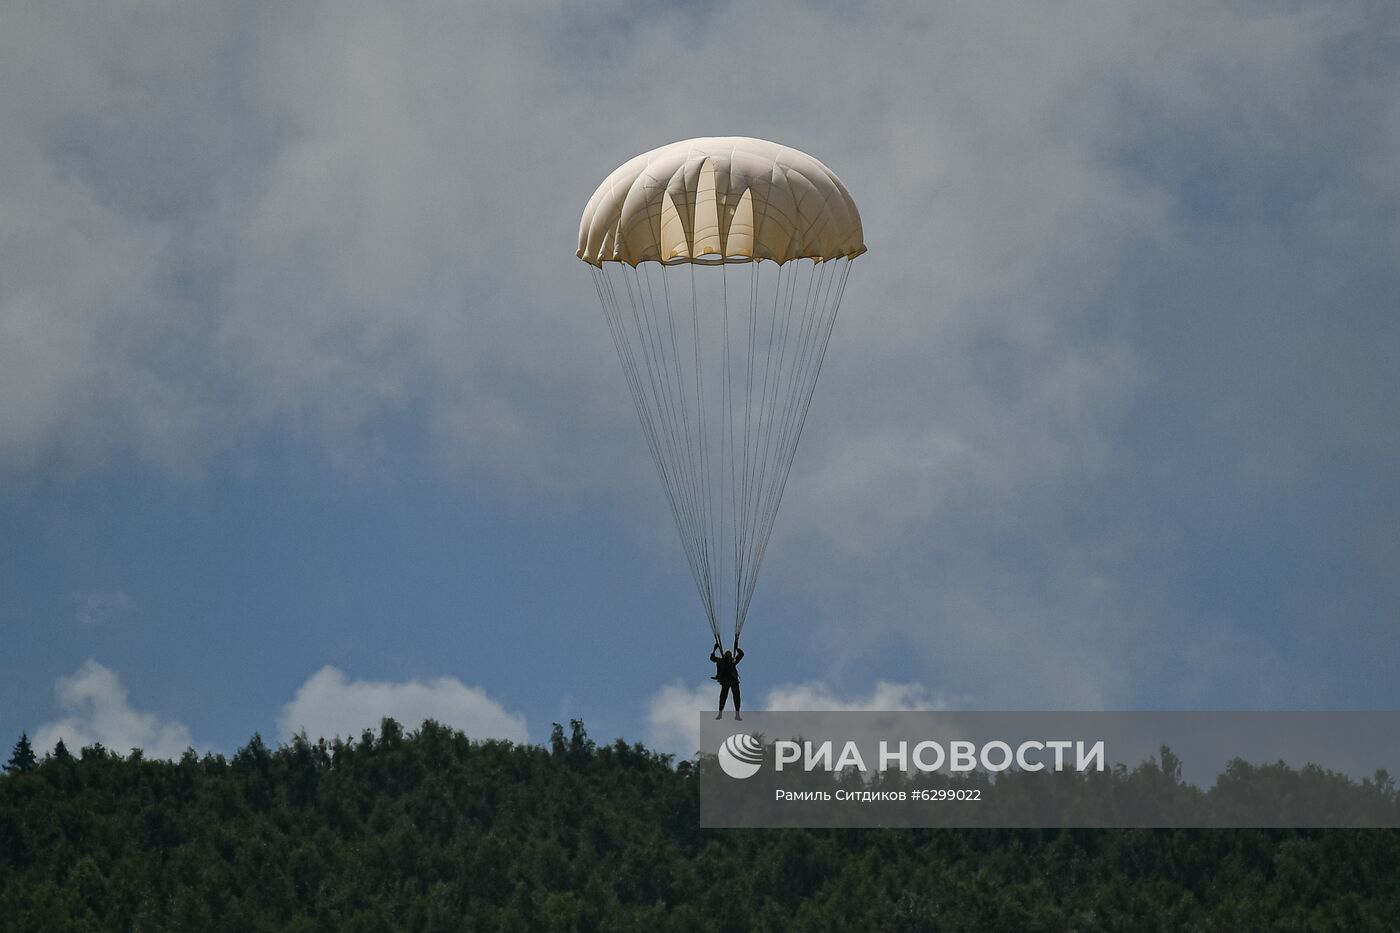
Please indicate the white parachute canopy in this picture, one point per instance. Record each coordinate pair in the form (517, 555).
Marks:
(720, 263)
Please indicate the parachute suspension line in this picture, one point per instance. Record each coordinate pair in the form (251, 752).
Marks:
(744, 530)
(762, 426)
(654, 425)
(653, 355)
(761, 423)
(813, 332)
(741, 529)
(725, 493)
(690, 470)
(780, 370)
(708, 516)
(727, 457)
(650, 417)
(829, 305)
(780, 423)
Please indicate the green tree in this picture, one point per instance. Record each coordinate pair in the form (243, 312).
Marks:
(23, 758)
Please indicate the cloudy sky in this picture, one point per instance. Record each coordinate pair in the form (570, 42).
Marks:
(308, 413)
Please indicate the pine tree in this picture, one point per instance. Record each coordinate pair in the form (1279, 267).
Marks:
(22, 759)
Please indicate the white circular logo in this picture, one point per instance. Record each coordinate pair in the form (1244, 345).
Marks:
(741, 755)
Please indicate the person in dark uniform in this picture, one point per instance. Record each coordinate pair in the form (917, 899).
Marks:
(727, 673)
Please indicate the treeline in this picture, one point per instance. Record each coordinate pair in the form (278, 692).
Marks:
(431, 831)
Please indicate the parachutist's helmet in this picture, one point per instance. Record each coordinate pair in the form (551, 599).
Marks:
(729, 655)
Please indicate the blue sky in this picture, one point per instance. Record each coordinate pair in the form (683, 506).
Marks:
(308, 414)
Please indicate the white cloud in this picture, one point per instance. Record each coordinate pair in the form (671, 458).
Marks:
(98, 607)
(815, 695)
(671, 717)
(331, 704)
(674, 725)
(96, 709)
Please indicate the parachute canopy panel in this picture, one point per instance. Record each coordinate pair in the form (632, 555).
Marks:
(720, 199)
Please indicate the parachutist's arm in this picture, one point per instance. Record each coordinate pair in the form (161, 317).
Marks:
(738, 654)
(714, 655)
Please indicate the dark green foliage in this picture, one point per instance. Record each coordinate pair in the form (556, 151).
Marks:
(428, 831)
(23, 757)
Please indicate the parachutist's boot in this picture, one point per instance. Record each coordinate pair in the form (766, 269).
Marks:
(737, 717)
(719, 715)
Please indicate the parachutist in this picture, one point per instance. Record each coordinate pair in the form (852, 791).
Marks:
(727, 673)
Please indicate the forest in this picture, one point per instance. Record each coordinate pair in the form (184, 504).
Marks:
(428, 830)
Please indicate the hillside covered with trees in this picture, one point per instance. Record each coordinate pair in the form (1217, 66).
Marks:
(430, 831)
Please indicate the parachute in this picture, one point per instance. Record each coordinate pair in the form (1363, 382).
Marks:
(720, 263)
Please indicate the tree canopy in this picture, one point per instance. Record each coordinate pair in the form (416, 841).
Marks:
(431, 831)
